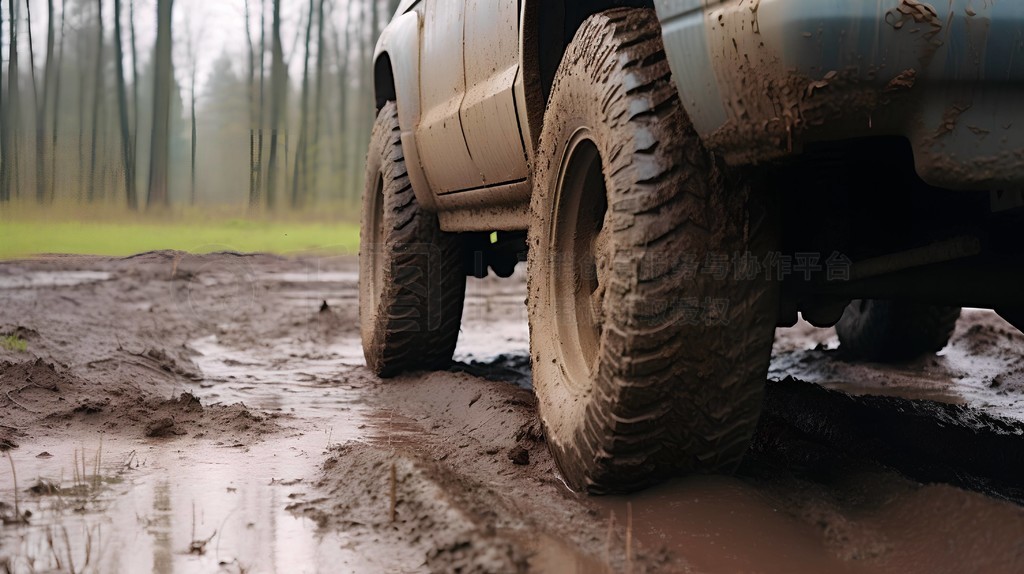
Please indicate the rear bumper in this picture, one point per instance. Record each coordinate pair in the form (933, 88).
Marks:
(763, 78)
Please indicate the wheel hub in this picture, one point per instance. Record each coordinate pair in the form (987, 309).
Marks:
(583, 252)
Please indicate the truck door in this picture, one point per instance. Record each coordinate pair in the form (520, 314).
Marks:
(442, 148)
(489, 118)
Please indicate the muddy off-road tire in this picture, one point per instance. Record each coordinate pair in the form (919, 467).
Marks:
(411, 278)
(885, 331)
(649, 352)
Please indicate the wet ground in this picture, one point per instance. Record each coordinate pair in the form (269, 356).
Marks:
(171, 413)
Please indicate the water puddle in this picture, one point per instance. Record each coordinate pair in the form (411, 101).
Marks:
(495, 340)
(871, 523)
(144, 507)
(43, 279)
(721, 525)
(312, 276)
(118, 505)
(320, 384)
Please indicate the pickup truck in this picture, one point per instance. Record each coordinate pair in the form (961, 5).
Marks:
(682, 177)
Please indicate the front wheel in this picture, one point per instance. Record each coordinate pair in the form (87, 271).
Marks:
(650, 326)
(412, 281)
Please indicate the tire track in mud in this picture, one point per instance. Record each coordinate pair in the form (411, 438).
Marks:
(833, 479)
(927, 441)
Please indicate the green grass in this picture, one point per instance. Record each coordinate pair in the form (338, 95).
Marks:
(14, 343)
(24, 238)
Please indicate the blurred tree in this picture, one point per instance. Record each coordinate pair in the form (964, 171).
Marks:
(278, 95)
(3, 116)
(318, 103)
(300, 176)
(127, 151)
(255, 117)
(135, 86)
(56, 104)
(224, 118)
(159, 158)
(99, 89)
(36, 107)
(9, 175)
(193, 59)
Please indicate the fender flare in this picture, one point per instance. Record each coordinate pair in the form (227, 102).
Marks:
(396, 59)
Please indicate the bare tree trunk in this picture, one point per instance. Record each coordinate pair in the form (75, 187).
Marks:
(127, 151)
(42, 186)
(36, 107)
(98, 86)
(9, 169)
(278, 88)
(318, 103)
(359, 123)
(31, 55)
(56, 104)
(192, 164)
(3, 121)
(135, 88)
(192, 93)
(159, 158)
(3, 117)
(254, 198)
(82, 80)
(263, 99)
(192, 53)
(344, 56)
(300, 173)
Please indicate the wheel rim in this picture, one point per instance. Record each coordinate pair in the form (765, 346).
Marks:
(581, 259)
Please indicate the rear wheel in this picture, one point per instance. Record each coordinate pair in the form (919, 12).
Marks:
(412, 281)
(877, 330)
(650, 338)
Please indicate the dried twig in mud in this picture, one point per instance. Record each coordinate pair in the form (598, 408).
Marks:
(198, 547)
(67, 546)
(216, 548)
(629, 538)
(86, 560)
(18, 518)
(53, 548)
(394, 492)
(96, 467)
(608, 539)
(10, 398)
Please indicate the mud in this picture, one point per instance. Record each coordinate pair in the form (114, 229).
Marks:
(173, 413)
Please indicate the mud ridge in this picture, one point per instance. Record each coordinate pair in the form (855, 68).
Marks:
(925, 440)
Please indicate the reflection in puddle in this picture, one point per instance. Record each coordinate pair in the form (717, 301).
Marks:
(494, 320)
(320, 383)
(196, 509)
(39, 279)
(721, 525)
(350, 277)
(550, 554)
(199, 507)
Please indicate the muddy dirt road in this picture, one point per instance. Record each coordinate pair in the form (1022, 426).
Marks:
(172, 413)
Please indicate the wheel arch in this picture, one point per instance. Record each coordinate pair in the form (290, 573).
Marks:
(548, 26)
(396, 76)
(384, 81)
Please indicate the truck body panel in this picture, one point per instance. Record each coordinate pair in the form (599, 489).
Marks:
(760, 79)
